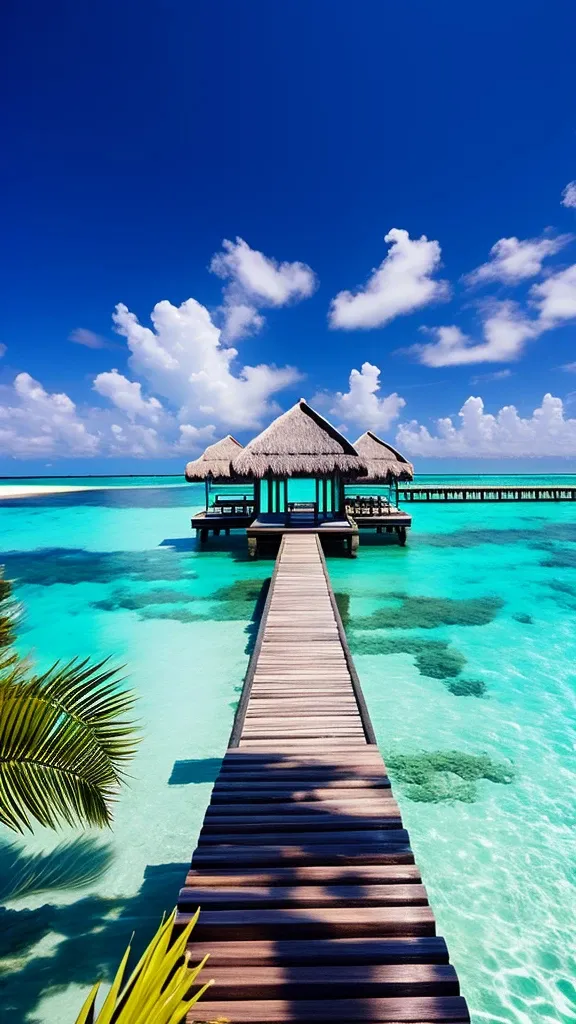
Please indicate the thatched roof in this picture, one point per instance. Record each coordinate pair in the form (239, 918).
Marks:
(215, 462)
(302, 443)
(385, 464)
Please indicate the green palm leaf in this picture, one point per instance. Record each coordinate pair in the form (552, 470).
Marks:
(162, 986)
(64, 744)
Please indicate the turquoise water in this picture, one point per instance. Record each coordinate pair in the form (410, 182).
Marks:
(465, 646)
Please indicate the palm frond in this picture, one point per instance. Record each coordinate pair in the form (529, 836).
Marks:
(64, 745)
(158, 990)
(9, 612)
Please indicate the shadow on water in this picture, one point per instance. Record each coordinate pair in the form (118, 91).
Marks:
(95, 931)
(70, 865)
(194, 771)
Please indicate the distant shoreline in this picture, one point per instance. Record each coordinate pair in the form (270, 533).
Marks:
(10, 491)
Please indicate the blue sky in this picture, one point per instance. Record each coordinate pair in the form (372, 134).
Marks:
(139, 137)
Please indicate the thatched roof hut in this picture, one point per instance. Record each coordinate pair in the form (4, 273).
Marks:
(215, 462)
(299, 443)
(385, 464)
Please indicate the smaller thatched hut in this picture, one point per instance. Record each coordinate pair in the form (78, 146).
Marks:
(300, 444)
(215, 463)
(385, 464)
(214, 467)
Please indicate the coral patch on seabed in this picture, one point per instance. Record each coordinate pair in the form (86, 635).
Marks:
(45, 567)
(446, 776)
(467, 687)
(436, 659)
(409, 612)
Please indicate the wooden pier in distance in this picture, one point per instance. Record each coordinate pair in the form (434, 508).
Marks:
(312, 908)
(482, 492)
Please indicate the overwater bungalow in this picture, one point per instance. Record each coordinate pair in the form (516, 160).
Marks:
(374, 505)
(229, 501)
(298, 466)
(299, 474)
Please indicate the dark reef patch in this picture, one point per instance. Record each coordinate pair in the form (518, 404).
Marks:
(560, 558)
(549, 531)
(410, 612)
(137, 600)
(239, 590)
(524, 618)
(47, 566)
(172, 611)
(343, 603)
(467, 687)
(434, 658)
(446, 776)
(474, 538)
(562, 588)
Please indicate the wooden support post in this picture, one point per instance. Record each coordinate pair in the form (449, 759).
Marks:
(325, 495)
(207, 491)
(269, 494)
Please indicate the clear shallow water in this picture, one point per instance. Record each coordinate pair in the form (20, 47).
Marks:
(117, 573)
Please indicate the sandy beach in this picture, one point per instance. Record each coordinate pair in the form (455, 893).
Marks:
(31, 490)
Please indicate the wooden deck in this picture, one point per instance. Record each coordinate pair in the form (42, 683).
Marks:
(484, 493)
(312, 906)
(267, 530)
(371, 512)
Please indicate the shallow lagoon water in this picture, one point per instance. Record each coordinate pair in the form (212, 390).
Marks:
(479, 595)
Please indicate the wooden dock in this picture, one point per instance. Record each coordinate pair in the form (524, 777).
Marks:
(485, 493)
(313, 909)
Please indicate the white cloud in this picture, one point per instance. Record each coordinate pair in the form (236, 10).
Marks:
(361, 404)
(80, 336)
(195, 437)
(401, 284)
(569, 195)
(546, 432)
(127, 395)
(568, 367)
(34, 422)
(513, 260)
(506, 332)
(555, 298)
(183, 359)
(497, 375)
(255, 280)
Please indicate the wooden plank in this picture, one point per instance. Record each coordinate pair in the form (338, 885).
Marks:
(323, 923)
(345, 874)
(302, 791)
(279, 854)
(294, 952)
(329, 982)
(423, 1010)
(385, 807)
(262, 824)
(239, 898)
(375, 837)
